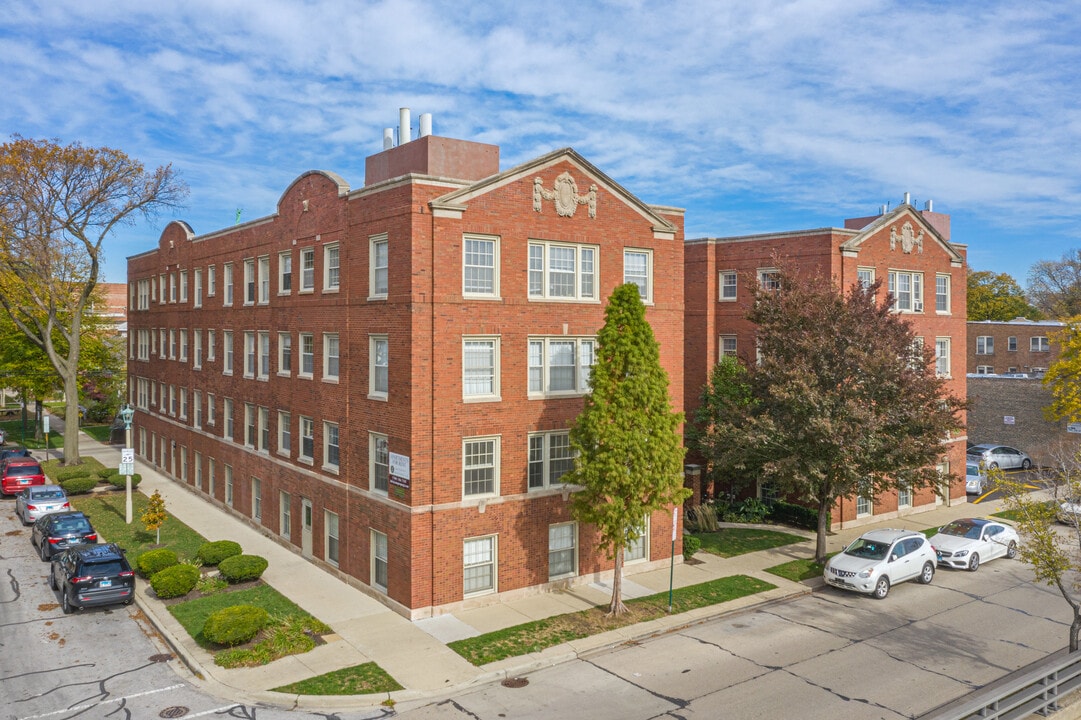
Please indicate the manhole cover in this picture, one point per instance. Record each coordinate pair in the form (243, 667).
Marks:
(162, 657)
(173, 712)
(515, 682)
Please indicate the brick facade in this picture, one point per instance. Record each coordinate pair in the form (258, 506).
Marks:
(906, 246)
(441, 262)
(1015, 346)
(1009, 410)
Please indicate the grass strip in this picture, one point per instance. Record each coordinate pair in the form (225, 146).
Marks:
(540, 634)
(365, 679)
(729, 542)
(797, 570)
(106, 512)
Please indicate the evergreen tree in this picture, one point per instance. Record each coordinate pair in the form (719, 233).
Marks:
(630, 451)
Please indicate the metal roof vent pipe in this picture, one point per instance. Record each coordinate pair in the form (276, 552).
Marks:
(929, 206)
(908, 198)
(405, 133)
(883, 209)
(425, 124)
(388, 138)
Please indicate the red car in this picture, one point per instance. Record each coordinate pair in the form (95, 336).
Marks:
(17, 474)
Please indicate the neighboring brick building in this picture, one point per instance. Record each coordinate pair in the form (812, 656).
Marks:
(384, 378)
(908, 249)
(1011, 347)
(1009, 410)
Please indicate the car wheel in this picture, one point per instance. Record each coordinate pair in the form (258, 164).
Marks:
(65, 603)
(974, 562)
(1011, 550)
(128, 602)
(882, 588)
(52, 580)
(1026, 464)
(993, 466)
(927, 574)
(43, 550)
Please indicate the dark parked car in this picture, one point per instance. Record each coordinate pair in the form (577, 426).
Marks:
(17, 474)
(56, 532)
(92, 576)
(14, 452)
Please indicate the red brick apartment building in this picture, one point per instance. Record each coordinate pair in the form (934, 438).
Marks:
(384, 378)
(908, 249)
(1018, 346)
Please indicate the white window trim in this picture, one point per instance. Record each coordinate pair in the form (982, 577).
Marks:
(574, 551)
(327, 286)
(916, 305)
(495, 394)
(328, 466)
(496, 441)
(374, 394)
(494, 294)
(578, 296)
(720, 346)
(285, 514)
(721, 286)
(647, 298)
(374, 242)
(301, 456)
(327, 377)
(327, 535)
(494, 540)
(302, 288)
(644, 538)
(546, 459)
(229, 295)
(374, 559)
(949, 293)
(373, 441)
(262, 280)
(282, 290)
(581, 379)
(251, 282)
(285, 430)
(281, 354)
(870, 506)
(299, 355)
(948, 356)
(768, 273)
(982, 342)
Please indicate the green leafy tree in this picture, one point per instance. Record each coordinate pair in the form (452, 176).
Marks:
(842, 403)
(57, 206)
(1050, 539)
(997, 297)
(1063, 377)
(727, 394)
(1054, 286)
(154, 516)
(25, 368)
(630, 451)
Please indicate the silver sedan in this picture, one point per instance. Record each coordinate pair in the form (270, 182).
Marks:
(999, 456)
(33, 502)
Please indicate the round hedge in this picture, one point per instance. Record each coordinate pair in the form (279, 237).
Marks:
(121, 481)
(235, 625)
(212, 553)
(154, 561)
(72, 472)
(105, 472)
(175, 581)
(691, 545)
(242, 568)
(79, 485)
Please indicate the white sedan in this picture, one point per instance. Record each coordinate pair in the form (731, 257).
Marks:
(967, 542)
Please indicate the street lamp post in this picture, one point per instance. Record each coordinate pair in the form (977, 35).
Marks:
(127, 458)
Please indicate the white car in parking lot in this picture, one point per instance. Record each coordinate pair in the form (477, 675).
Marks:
(967, 542)
(880, 559)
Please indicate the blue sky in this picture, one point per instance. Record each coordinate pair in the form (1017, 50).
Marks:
(754, 116)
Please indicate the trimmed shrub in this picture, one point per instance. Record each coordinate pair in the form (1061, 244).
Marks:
(154, 561)
(799, 516)
(174, 581)
(70, 473)
(242, 568)
(691, 545)
(235, 625)
(105, 472)
(79, 485)
(120, 481)
(214, 552)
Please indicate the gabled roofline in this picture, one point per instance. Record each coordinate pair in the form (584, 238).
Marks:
(878, 223)
(458, 201)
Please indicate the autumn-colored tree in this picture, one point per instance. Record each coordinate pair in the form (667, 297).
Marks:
(843, 402)
(997, 297)
(630, 451)
(1054, 286)
(57, 206)
(1050, 537)
(154, 516)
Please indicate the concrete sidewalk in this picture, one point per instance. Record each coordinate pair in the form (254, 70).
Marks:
(415, 653)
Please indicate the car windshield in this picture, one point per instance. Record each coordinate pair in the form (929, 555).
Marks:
(47, 494)
(960, 528)
(972, 470)
(20, 470)
(74, 525)
(869, 549)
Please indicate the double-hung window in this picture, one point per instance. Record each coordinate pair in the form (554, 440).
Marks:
(378, 261)
(198, 287)
(307, 269)
(480, 466)
(769, 279)
(728, 285)
(1039, 343)
(480, 368)
(480, 266)
(331, 524)
(197, 408)
(331, 447)
(249, 282)
(479, 560)
(285, 433)
(227, 278)
(264, 280)
(985, 345)
(379, 367)
(907, 290)
(210, 345)
(727, 346)
(183, 286)
(638, 269)
(285, 273)
(172, 287)
(379, 560)
(249, 354)
(942, 293)
(865, 277)
(562, 550)
(285, 353)
(550, 457)
(560, 271)
(307, 355)
(264, 355)
(227, 411)
(331, 268)
(250, 429)
(256, 498)
(183, 345)
(264, 430)
(211, 281)
(378, 461)
(307, 438)
(560, 365)
(197, 349)
(330, 357)
(942, 356)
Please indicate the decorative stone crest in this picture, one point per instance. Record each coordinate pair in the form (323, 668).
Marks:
(908, 238)
(565, 195)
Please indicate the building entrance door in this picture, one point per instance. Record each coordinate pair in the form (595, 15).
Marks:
(306, 527)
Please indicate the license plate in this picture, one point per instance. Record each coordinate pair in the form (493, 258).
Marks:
(105, 583)
(24, 482)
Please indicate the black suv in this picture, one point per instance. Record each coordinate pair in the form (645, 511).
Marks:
(14, 452)
(91, 576)
(59, 531)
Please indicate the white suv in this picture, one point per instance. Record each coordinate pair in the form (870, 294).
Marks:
(881, 558)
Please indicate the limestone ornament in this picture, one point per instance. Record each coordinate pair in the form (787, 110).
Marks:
(564, 194)
(908, 239)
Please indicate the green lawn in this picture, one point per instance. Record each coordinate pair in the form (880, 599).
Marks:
(729, 542)
(540, 634)
(101, 433)
(106, 511)
(797, 570)
(13, 429)
(365, 679)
